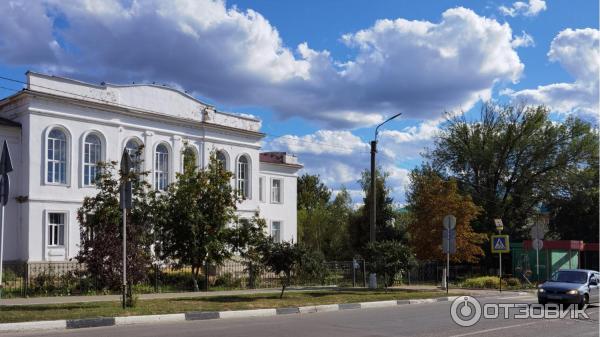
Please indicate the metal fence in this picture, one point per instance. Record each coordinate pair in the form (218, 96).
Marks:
(66, 278)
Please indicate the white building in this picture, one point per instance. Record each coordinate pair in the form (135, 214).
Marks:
(58, 128)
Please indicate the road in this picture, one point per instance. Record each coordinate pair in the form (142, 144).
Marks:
(428, 319)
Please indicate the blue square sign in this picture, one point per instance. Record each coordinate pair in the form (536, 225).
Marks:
(500, 244)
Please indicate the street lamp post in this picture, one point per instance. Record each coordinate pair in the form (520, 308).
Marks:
(373, 215)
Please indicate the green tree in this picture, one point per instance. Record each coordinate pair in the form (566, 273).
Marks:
(387, 259)
(312, 192)
(250, 241)
(509, 159)
(282, 258)
(385, 214)
(100, 221)
(194, 217)
(574, 204)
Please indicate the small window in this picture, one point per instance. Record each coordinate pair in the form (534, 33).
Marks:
(276, 191)
(57, 157)
(243, 177)
(92, 151)
(161, 168)
(276, 231)
(261, 189)
(56, 229)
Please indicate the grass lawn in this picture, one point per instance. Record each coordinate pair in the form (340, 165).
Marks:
(217, 303)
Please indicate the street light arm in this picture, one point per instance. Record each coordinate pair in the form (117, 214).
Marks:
(387, 120)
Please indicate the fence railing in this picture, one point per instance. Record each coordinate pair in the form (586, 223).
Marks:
(67, 278)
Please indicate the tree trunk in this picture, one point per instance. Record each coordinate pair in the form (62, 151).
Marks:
(195, 278)
(282, 290)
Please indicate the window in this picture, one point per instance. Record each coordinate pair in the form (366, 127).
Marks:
(276, 231)
(261, 189)
(243, 181)
(276, 191)
(57, 157)
(133, 149)
(161, 168)
(56, 229)
(222, 158)
(188, 158)
(92, 151)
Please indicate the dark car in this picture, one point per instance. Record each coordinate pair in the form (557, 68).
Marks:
(571, 286)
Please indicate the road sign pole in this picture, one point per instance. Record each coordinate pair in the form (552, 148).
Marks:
(500, 264)
(124, 257)
(448, 263)
(1, 249)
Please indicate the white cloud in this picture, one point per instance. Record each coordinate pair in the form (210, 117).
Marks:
(532, 8)
(578, 52)
(523, 40)
(410, 142)
(237, 57)
(339, 157)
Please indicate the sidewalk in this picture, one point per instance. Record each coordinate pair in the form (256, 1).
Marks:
(116, 298)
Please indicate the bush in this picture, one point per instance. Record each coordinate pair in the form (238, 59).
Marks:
(491, 282)
(226, 280)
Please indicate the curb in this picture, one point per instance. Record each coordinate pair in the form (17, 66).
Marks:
(210, 315)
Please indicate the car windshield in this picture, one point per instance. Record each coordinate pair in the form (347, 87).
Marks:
(569, 277)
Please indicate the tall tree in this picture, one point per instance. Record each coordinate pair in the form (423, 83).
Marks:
(574, 203)
(101, 233)
(312, 192)
(385, 214)
(196, 212)
(430, 199)
(508, 159)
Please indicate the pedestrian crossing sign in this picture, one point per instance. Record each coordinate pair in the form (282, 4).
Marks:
(500, 244)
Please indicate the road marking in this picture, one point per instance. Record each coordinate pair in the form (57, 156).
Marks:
(494, 329)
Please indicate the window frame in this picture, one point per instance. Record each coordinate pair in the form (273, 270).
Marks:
(49, 225)
(67, 135)
(139, 143)
(280, 201)
(246, 180)
(279, 231)
(101, 155)
(166, 174)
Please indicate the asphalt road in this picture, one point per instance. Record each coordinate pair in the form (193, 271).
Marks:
(428, 319)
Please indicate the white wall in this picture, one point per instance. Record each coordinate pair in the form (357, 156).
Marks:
(286, 211)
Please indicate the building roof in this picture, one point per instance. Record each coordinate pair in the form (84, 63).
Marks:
(8, 122)
(280, 158)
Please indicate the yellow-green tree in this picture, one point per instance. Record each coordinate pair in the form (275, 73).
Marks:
(430, 198)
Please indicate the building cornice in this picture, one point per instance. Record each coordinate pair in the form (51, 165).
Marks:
(140, 113)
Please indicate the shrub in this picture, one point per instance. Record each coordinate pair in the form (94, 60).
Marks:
(491, 282)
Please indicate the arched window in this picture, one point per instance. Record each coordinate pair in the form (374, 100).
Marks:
(57, 157)
(222, 158)
(161, 168)
(243, 177)
(133, 149)
(189, 158)
(92, 154)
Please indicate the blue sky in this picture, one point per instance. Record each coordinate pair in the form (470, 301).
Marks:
(323, 73)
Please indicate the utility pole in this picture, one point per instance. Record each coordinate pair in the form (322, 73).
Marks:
(5, 167)
(125, 204)
(373, 213)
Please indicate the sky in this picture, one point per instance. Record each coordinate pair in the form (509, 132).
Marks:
(322, 74)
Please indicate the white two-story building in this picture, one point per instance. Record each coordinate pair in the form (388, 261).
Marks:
(57, 129)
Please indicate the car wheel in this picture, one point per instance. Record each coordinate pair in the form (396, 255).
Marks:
(585, 300)
(542, 302)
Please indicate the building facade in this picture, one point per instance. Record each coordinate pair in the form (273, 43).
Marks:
(57, 129)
